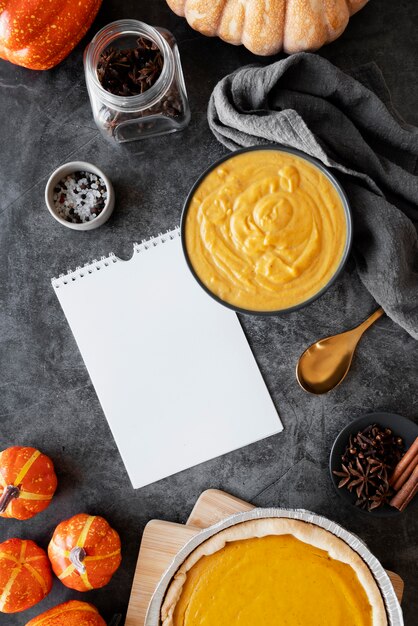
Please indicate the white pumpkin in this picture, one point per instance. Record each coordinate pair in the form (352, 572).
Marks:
(268, 26)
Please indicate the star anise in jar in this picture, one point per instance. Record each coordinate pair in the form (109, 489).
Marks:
(130, 71)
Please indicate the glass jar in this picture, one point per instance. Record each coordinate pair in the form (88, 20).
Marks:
(161, 109)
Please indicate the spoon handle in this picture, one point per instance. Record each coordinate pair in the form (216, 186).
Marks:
(370, 320)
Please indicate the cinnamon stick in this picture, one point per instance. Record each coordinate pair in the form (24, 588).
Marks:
(406, 473)
(404, 462)
(404, 496)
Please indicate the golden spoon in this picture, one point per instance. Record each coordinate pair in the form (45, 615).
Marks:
(325, 364)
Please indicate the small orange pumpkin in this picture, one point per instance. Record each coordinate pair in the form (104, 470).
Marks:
(72, 613)
(39, 34)
(84, 552)
(27, 482)
(25, 575)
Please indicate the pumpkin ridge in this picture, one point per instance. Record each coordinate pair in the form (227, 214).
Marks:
(36, 575)
(61, 551)
(219, 26)
(81, 541)
(8, 557)
(219, 20)
(22, 552)
(84, 577)
(27, 495)
(100, 557)
(6, 591)
(59, 611)
(25, 469)
(335, 25)
(100, 545)
(67, 572)
(263, 25)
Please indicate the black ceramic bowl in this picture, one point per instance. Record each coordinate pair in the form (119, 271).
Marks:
(336, 185)
(401, 426)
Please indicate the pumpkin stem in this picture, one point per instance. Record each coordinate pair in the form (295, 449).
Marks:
(8, 495)
(77, 556)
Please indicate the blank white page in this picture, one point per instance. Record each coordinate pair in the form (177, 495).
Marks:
(172, 368)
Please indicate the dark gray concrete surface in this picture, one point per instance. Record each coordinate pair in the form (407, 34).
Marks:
(46, 398)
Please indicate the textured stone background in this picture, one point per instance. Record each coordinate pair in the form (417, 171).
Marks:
(46, 398)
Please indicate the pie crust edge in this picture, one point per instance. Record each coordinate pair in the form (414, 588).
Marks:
(304, 531)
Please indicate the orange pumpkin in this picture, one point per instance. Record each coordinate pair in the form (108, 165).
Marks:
(39, 34)
(27, 482)
(72, 613)
(84, 552)
(25, 575)
(268, 26)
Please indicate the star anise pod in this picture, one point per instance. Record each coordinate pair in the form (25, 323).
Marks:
(362, 502)
(383, 494)
(345, 475)
(379, 467)
(131, 71)
(362, 479)
(367, 463)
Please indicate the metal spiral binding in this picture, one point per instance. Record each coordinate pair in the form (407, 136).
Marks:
(105, 261)
(161, 238)
(83, 271)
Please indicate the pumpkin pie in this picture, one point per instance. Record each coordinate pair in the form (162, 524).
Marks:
(273, 572)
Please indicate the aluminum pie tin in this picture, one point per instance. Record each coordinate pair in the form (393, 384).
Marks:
(348, 219)
(393, 609)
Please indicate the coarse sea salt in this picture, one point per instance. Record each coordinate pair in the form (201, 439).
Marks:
(80, 197)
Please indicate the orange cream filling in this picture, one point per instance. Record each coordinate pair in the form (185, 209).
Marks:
(273, 581)
(266, 230)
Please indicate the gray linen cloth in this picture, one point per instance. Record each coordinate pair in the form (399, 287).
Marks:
(348, 123)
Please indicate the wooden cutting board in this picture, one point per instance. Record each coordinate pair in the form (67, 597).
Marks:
(162, 540)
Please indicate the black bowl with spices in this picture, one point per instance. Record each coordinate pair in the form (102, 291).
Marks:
(135, 81)
(364, 456)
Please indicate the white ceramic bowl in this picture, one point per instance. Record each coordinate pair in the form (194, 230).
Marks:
(69, 168)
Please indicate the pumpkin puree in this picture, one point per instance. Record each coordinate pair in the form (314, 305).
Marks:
(276, 580)
(265, 230)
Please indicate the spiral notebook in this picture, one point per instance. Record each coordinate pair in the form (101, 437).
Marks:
(172, 368)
